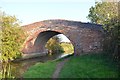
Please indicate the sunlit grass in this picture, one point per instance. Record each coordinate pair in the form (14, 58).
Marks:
(84, 66)
(90, 66)
(41, 70)
(67, 47)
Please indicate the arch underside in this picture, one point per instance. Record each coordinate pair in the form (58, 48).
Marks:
(42, 39)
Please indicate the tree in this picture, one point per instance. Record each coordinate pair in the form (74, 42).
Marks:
(106, 14)
(103, 13)
(11, 37)
(54, 46)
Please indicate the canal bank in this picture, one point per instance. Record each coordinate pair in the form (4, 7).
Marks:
(94, 65)
(20, 66)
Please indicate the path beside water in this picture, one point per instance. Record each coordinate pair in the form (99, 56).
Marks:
(59, 67)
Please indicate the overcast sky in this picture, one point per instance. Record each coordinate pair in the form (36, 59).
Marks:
(29, 11)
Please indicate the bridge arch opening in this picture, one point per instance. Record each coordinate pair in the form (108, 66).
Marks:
(45, 37)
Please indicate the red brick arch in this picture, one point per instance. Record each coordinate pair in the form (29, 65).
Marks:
(85, 37)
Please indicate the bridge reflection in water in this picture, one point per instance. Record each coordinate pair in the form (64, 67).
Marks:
(15, 69)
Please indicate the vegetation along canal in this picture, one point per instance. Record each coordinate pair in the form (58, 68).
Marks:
(16, 68)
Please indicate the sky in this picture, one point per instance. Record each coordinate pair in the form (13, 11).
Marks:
(63, 38)
(30, 11)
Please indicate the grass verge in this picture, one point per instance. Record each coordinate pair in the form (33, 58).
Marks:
(84, 66)
(90, 66)
(41, 70)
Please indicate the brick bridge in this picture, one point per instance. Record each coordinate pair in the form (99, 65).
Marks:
(85, 37)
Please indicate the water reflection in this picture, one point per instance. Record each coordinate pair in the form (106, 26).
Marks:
(17, 68)
(6, 70)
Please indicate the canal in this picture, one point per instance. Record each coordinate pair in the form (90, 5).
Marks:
(15, 69)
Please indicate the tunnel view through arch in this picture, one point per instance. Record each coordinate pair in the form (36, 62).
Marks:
(53, 43)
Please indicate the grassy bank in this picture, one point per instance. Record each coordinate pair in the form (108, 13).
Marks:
(90, 66)
(67, 47)
(41, 70)
(85, 66)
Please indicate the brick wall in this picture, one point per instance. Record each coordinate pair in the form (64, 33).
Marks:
(85, 37)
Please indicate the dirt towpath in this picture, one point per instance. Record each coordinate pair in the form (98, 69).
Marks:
(59, 67)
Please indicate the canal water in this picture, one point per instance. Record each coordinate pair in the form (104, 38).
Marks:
(17, 68)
